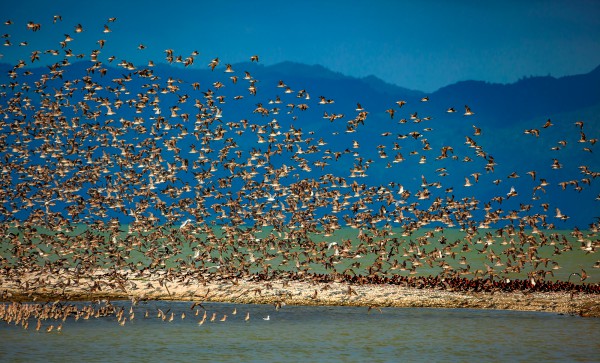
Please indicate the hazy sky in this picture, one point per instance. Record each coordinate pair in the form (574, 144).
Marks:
(420, 45)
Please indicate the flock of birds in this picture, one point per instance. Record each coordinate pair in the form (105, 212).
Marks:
(51, 316)
(101, 165)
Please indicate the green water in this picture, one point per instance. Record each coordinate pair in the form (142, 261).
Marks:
(426, 252)
(312, 334)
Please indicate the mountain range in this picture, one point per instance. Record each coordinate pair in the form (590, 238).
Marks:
(527, 99)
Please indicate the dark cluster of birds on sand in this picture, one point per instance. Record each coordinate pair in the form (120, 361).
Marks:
(164, 180)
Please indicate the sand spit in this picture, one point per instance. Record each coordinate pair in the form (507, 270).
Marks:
(281, 292)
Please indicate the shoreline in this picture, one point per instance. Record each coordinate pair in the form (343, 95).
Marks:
(280, 292)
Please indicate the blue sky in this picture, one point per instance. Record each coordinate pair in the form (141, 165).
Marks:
(420, 45)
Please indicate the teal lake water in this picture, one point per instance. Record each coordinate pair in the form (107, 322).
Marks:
(474, 252)
(309, 334)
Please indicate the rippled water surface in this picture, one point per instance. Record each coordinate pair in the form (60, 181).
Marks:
(313, 334)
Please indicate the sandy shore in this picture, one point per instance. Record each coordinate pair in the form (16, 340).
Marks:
(284, 292)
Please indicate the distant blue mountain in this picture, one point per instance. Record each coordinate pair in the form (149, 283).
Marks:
(529, 98)
(526, 99)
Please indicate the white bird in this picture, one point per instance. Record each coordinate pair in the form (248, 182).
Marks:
(267, 318)
(185, 223)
